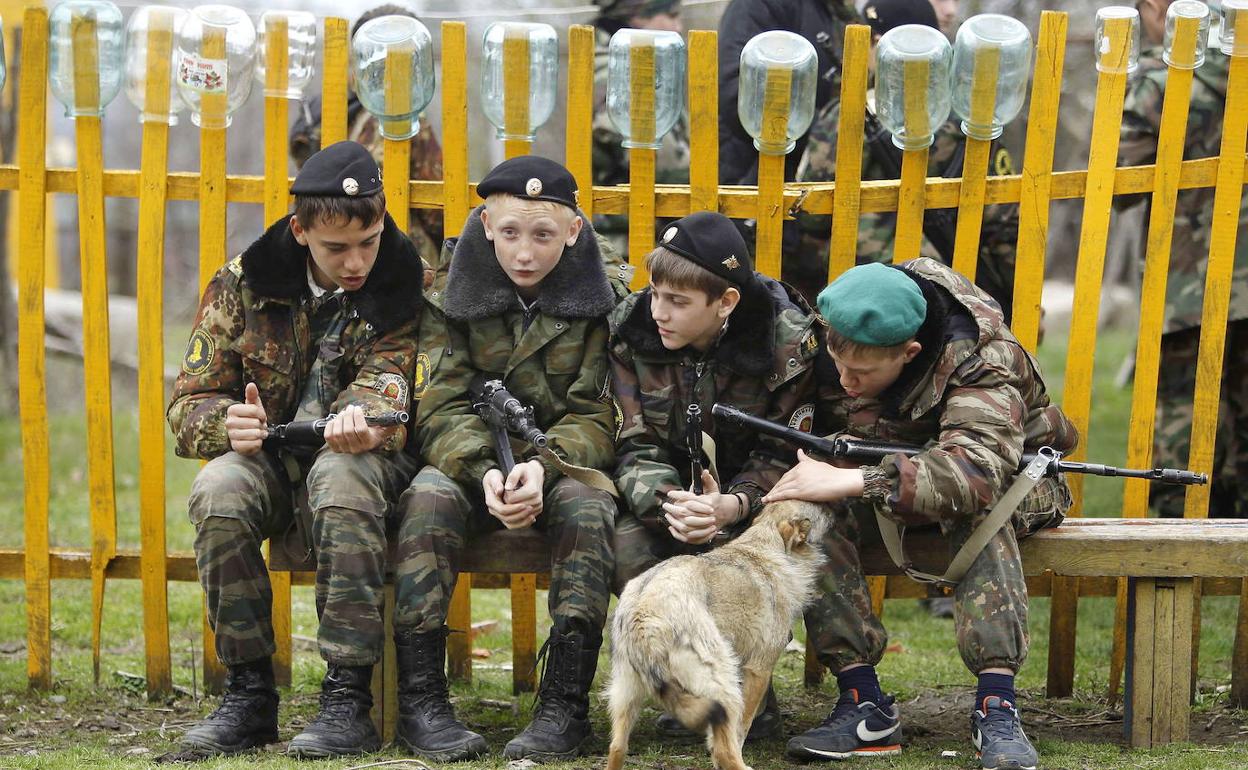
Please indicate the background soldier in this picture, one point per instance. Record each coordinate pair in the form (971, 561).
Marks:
(1189, 254)
(319, 315)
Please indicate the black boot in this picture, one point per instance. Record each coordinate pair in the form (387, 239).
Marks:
(247, 716)
(427, 725)
(561, 723)
(342, 727)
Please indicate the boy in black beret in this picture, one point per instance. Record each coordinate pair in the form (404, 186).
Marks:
(320, 315)
(708, 329)
(526, 298)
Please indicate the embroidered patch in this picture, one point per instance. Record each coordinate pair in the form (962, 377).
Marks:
(236, 266)
(350, 186)
(803, 418)
(810, 344)
(1003, 162)
(421, 379)
(199, 353)
(619, 418)
(533, 187)
(731, 263)
(393, 387)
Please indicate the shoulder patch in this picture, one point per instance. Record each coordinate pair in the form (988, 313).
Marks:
(420, 380)
(199, 353)
(236, 266)
(392, 386)
(803, 418)
(1003, 162)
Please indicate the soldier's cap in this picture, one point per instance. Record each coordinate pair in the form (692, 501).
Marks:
(874, 304)
(531, 177)
(883, 15)
(341, 170)
(710, 240)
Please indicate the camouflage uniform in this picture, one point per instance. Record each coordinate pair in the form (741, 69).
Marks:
(763, 365)
(977, 394)
(1185, 288)
(610, 157)
(552, 357)
(425, 225)
(258, 322)
(806, 264)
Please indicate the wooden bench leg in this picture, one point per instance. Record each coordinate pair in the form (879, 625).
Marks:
(523, 633)
(459, 621)
(1063, 614)
(385, 711)
(1159, 628)
(1239, 656)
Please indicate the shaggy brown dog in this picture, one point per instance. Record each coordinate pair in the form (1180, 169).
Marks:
(702, 633)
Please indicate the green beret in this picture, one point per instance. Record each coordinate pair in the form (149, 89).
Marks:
(874, 304)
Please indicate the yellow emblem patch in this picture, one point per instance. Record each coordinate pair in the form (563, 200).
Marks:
(810, 344)
(420, 380)
(199, 353)
(1003, 163)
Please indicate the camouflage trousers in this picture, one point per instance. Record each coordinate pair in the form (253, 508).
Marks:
(638, 548)
(1228, 495)
(990, 603)
(237, 501)
(439, 516)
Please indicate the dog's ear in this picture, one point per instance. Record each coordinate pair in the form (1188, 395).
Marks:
(794, 531)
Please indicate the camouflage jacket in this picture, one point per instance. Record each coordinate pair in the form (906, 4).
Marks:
(253, 326)
(425, 225)
(763, 365)
(1193, 215)
(973, 397)
(876, 231)
(557, 364)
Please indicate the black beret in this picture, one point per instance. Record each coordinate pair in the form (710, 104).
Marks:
(711, 240)
(343, 169)
(884, 15)
(532, 177)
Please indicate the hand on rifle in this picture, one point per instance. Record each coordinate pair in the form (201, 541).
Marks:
(695, 519)
(246, 423)
(517, 500)
(816, 481)
(350, 434)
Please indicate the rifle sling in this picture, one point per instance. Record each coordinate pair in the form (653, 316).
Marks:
(893, 533)
(302, 510)
(591, 477)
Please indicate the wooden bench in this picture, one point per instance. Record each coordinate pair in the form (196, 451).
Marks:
(1161, 559)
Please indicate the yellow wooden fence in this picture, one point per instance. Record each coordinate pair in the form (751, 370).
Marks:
(845, 200)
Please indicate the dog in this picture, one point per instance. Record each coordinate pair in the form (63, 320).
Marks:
(703, 633)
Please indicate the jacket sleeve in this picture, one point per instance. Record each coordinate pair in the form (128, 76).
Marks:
(212, 372)
(383, 381)
(771, 457)
(644, 471)
(583, 435)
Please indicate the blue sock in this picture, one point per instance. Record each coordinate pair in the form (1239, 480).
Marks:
(1000, 685)
(862, 679)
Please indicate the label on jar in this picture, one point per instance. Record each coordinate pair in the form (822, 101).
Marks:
(208, 76)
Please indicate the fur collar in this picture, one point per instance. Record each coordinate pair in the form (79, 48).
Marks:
(749, 344)
(275, 266)
(477, 287)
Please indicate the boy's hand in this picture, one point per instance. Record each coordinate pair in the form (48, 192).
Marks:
(517, 500)
(815, 481)
(350, 434)
(695, 519)
(246, 424)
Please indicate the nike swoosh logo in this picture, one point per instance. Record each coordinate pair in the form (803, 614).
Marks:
(978, 740)
(868, 735)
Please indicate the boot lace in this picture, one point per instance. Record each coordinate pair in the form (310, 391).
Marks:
(846, 710)
(1000, 724)
(558, 678)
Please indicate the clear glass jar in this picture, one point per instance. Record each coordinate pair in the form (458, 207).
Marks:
(1010, 41)
(141, 21)
(783, 51)
(216, 58)
(1102, 42)
(669, 85)
(377, 40)
(1232, 10)
(110, 38)
(300, 51)
(4, 71)
(543, 65)
(900, 48)
(1187, 9)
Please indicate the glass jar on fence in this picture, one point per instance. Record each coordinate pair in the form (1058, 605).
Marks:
(777, 66)
(1102, 43)
(537, 46)
(641, 52)
(145, 19)
(216, 59)
(300, 51)
(912, 94)
(1229, 43)
(1187, 9)
(68, 37)
(393, 49)
(995, 46)
(4, 70)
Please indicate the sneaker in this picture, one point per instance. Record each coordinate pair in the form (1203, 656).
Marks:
(852, 729)
(997, 732)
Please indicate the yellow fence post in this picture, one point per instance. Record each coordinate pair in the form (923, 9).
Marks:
(703, 121)
(975, 162)
(775, 129)
(397, 153)
(33, 392)
(912, 194)
(334, 83)
(847, 205)
(641, 120)
(580, 121)
(153, 192)
(515, 90)
(1037, 177)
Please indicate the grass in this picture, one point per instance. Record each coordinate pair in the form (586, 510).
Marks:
(112, 726)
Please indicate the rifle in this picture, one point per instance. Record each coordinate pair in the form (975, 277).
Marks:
(311, 433)
(869, 452)
(693, 438)
(503, 414)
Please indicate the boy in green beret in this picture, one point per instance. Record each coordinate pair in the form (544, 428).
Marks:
(918, 355)
(708, 329)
